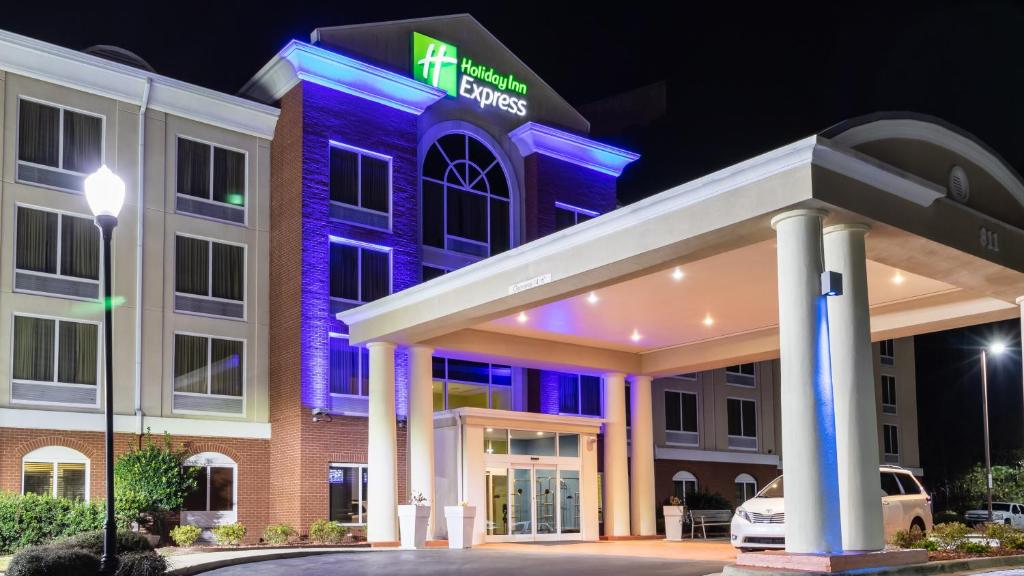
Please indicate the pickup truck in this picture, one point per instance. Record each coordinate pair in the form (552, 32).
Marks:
(1002, 512)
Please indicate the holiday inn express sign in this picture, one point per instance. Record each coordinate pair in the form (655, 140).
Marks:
(438, 64)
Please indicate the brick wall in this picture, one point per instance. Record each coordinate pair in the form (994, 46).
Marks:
(254, 503)
(711, 476)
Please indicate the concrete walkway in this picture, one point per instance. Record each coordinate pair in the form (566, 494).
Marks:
(187, 564)
(697, 550)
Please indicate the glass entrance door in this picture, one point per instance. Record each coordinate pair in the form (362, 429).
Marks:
(521, 497)
(542, 502)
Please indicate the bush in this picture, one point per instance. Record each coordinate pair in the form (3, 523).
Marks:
(141, 564)
(229, 534)
(150, 482)
(928, 544)
(707, 501)
(92, 542)
(951, 535)
(327, 532)
(1008, 536)
(973, 547)
(31, 519)
(53, 561)
(903, 539)
(278, 533)
(186, 535)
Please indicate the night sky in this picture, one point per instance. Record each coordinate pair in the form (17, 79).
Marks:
(739, 80)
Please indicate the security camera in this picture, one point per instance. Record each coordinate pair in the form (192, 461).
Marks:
(321, 415)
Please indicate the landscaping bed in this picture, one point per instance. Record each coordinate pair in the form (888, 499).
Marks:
(177, 550)
(940, 555)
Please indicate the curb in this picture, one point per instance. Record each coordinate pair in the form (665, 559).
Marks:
(937, 567)
(235, 561)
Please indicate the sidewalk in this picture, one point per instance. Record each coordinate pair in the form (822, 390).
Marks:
(188, 564)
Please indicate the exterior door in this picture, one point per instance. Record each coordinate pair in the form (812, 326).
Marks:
(543, 502)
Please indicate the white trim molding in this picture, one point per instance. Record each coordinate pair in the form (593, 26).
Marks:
(697, 455)
(534, 138)
(58, 65)
(299, 61)
(130, 424)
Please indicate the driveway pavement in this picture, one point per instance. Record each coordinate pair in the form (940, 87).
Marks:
(491, 561)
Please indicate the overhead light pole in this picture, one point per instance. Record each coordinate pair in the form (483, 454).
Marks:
(104, 192)
(995, 348)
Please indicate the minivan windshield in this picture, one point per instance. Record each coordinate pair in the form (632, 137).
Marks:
(773, 490)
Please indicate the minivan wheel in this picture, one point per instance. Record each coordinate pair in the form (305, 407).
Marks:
(917, 529)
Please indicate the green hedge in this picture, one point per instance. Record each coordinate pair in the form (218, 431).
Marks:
(31, 519)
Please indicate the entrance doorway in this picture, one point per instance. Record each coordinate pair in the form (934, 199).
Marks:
(533, 502)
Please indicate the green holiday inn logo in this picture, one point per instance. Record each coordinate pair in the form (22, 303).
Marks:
(435, 63)
(438, 64)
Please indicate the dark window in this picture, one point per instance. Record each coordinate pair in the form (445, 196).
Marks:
(211, 172)
(431, 272)
(360, 179)
(890, 487)
(350, 368)
(888, 390)
(348, 493)
(680, 411)
(208, 268)
(214, 492)
(359, 273)
(579, 394)
(887, 352)
(742, 418)
(890, 438)
(59, 138)
(566, 216)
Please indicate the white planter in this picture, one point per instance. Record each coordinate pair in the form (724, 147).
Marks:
(412, 522)
(674, 516)
(460, 521)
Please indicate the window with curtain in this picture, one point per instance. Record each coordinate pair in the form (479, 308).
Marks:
(215, 484)
(566, 215)
(746, 488)
(741, 375)
(579, 394)
(57, 138)
(350, 368)
(683, 484)
(53, 243)
(466, 201)
(208, 268)
(891, 443)
(742, 415)
(463, 383)
(206, 365)
(362, 180)
(210, 172)
(57, 479)
(54, 351)
(359, 273)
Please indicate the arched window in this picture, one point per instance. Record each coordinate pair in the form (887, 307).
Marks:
(683, 484)
(55, 471)
(214, 500)
(746, 487)
(467, 202)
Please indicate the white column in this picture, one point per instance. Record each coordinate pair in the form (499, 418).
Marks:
(382, 447)
(616, 473)
(421, 429)
(853, 386)
(808, 419)
(641, 464)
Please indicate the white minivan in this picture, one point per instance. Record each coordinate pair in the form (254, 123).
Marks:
(760, 522)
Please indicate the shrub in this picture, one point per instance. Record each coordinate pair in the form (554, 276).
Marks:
(186, 535)
(278, 533)
(53, 561)
(928, 544)
(31, 519)
(141, 564)
(947, 516)
(903, 539)
(707, 501)
(973, 547)
(229, 534)
(1008, 536)
(327, 532)
(951, 535)
(92, 542)
(150, 482)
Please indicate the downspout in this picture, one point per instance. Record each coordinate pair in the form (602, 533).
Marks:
(139, 236)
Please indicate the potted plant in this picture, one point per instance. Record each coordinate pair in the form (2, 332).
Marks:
(460, 521)
(413, 520)
(675, 515)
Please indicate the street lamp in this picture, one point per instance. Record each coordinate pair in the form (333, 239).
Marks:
(994, 348)
(104, 192)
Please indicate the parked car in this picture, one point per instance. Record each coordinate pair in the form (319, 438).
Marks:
(1002, 512)
(761, 521)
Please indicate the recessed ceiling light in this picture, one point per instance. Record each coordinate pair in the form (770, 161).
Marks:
(708, 320)
(592, 298)
(490, 429)
(522, 318)
(635, 336)
(678, 274)
(898, 279)
(540, 433)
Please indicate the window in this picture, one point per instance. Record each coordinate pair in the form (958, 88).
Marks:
(350, 368)
(888, 394)
(348, 493)
(57, 147)
(208, 374)
(56, 254)
(579, 394)
(890, 444)
(740, 375)
(681, 418)
(55, 361)
(360, 273)
(56, 471)
(360, 186)
(742, 415)
(629, 412)
(746, 488)
(467, 205)
(213, 500)
(211, 181)
(209, 277)
(887, 353)
(431, 272)
(461, 383)
(566, 215)
(683, 485)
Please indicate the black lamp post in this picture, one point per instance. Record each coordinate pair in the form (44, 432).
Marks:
(997, 348)
(104, 192)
